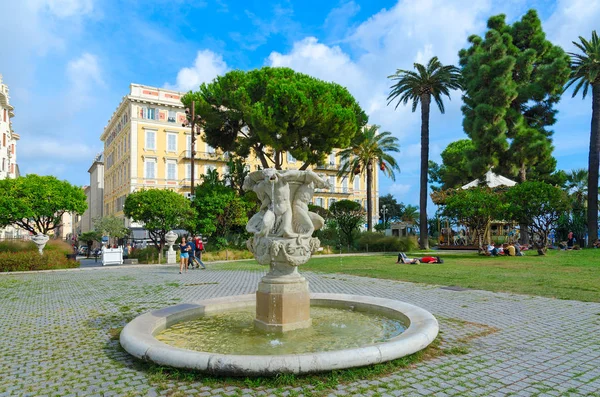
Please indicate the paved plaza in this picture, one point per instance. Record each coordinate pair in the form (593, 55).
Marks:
(58, 336)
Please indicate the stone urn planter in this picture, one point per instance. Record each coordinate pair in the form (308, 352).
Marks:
(40, 240)
(170, 239)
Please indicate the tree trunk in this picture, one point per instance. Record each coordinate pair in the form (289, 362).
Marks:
(369, 203)
(592, 214)
(423, 235)
(523, 227)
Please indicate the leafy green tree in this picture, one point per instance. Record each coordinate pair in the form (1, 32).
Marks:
(219, 210)
(211, 178)
(455, 170)
(160, 211)
(585, 71)
(89, 238)
(476, 208)
(270, 111)
(393, 208)
(432, 81)
(410, 214)
(369, 148)
(347, 216)
(538, 205)
(237, 172)
(37, 203)
(111, 226)
(512, 78)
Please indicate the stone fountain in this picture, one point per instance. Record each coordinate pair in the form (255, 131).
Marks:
(283, 229)
(282, 239)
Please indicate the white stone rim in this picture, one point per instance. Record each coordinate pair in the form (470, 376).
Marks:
(137, 338)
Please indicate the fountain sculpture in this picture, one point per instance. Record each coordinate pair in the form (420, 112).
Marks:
(283, 229)
(282, 238)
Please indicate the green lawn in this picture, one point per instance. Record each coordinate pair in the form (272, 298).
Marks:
(560, 274)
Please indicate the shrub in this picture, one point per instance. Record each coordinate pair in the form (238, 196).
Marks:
(374, 242)
(17, 246)
(147, 255)
(32, 260)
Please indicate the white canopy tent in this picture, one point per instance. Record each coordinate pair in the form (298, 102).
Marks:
(491, 180)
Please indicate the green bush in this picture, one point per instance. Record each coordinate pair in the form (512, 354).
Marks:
(377, 242)
(32, 260)
(147, 255)
(17, 246)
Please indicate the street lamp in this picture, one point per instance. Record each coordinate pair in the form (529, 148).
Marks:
(384, 210)
(192, 120)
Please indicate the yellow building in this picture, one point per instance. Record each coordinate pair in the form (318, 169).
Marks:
(145, 146)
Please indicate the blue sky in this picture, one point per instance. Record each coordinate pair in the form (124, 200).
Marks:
(68, 63)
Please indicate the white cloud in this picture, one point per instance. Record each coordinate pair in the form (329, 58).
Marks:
(69, 8)
(571, 19)
(84, 75)
(84, 71)
(399, 190)
(207, 66)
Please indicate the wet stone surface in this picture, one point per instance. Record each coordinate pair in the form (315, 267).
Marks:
(57, 336)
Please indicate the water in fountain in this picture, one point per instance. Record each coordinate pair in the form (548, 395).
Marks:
(234, 333)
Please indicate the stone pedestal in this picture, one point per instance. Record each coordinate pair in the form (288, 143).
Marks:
(282, 306)
(171, 256)
(282, 298)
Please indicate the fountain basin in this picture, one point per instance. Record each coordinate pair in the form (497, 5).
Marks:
(138, 338)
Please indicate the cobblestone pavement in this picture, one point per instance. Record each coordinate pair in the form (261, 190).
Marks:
(57, 336)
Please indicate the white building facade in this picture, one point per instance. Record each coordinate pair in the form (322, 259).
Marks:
(8, 151)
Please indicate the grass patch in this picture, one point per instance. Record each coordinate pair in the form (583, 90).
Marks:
(115, 333)
(560, 274)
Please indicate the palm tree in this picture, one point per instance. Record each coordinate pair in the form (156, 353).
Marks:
(585, 70)
(434, 80)
(576, 185)
(368, 148)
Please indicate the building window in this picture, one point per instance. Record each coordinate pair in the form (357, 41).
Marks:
(150, 140)
(356, 184)
(188, 171)
(209, 168)
(331, 201)
(332, 158)
(332, 183)
(290, 158)
(171, 142)
(209, 149)
(152, 114)
(171, 118)
(345, 185)
(171, 170)
(319, 202)
(188, 145)
(150, 168)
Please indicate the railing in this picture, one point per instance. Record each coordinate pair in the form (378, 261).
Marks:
(211, 156)
(326, 167)
(337, 190)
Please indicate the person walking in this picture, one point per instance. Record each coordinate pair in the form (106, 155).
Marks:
(191, 248)
(183, 255)
(199, 248)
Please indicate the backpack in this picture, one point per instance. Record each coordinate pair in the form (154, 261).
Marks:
(199, 244)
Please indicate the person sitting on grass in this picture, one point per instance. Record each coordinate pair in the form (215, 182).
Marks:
(491, 250)
(510, 250)
(597, 244)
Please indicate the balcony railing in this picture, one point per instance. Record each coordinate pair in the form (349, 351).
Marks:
(337, 190)
(329, 166)
(210, 156)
